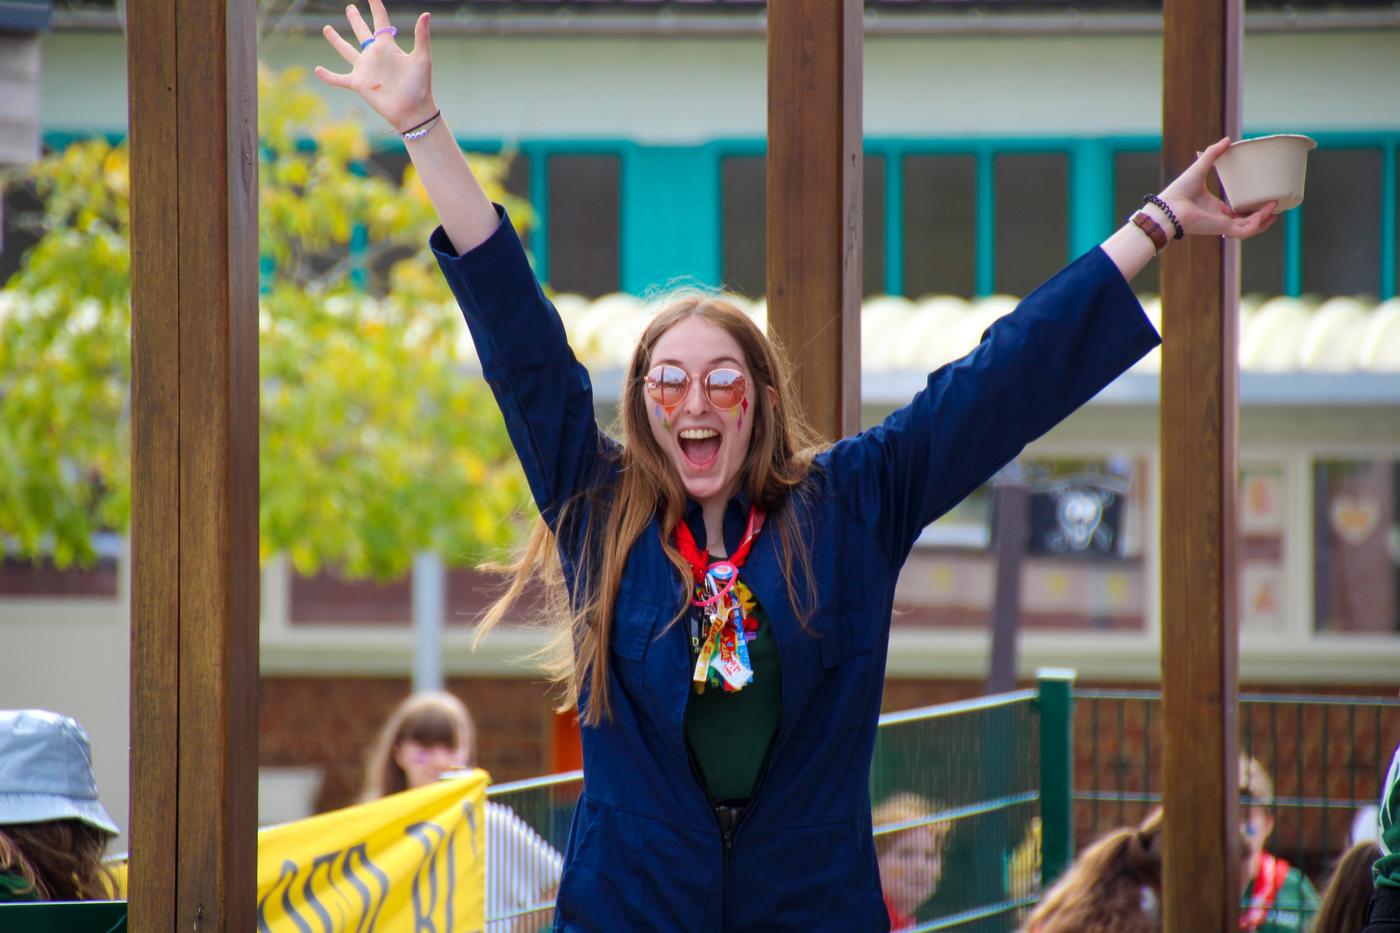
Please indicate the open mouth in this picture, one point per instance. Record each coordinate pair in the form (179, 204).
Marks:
(700, 446)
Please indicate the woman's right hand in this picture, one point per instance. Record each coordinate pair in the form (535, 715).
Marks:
(398, 85)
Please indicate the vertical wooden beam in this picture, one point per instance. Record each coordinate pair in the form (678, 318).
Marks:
(193, 94)
(155, 480)
(1200, 378)
(814, 202)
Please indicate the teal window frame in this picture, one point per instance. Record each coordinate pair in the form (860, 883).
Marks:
(656, 250)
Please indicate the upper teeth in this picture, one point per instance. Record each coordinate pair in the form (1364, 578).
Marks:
(698, 434)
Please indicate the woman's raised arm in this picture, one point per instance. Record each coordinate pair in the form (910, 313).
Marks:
(398, 85)
(542, 390)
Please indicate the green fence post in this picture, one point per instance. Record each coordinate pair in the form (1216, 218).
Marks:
(1056, 706)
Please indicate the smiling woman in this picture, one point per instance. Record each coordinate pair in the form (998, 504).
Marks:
(720, 584)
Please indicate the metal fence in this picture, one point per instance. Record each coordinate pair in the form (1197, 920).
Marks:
(1008, 787)
(966, 774)
(1325, 755)
(963, 780)
(527, 824)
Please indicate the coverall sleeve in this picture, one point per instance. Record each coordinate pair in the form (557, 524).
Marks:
(542, 390)
(1063, 343)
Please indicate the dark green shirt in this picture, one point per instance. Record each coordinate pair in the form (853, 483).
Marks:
(729, 733)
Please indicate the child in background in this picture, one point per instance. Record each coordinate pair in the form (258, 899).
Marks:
(428, 736)
(1344, 904)
(911, 860)
(1114, 886)
(1278, 898)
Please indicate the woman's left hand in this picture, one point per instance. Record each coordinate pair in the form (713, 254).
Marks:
(1199, 211)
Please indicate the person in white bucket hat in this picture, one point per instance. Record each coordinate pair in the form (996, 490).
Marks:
(53, 829)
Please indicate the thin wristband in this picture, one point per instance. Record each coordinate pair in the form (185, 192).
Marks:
(421, 130)
(1171, 215)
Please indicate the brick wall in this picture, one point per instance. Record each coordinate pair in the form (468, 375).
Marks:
(330, 723)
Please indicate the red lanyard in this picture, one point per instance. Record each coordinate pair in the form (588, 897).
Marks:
(1273, 872)
(700, 562)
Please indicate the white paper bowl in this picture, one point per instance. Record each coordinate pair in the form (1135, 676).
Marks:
(1268, 168)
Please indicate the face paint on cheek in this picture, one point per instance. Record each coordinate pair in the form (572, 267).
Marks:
(743, 407)
(664, 414)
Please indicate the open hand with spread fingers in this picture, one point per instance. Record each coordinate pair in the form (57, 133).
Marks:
(396, 84)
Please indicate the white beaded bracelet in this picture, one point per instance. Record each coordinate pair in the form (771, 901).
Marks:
(422, 129)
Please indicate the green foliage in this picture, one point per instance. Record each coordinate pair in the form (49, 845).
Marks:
(374, 443)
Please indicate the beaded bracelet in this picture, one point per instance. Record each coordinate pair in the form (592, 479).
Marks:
(422, 129)
(1154, 231)
(1171, 215)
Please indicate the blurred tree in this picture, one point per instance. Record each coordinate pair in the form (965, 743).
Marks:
(374, 442)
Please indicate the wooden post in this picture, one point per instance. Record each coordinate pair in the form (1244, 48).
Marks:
(814, 202)
(1200, 377)
(194, 604)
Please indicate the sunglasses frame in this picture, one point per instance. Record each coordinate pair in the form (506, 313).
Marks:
(652, 386)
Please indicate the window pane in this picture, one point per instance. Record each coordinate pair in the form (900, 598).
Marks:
(1342, 222)
(1084, 563)
(19, 211)
(1134, 175)
(1262, 528)
(584, 224)
(745, 220)
(873, 235)
(1032, 198)
(1356, 543)
(940, 225)
(1261, 262)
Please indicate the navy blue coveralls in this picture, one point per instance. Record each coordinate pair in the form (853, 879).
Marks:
(645, 851)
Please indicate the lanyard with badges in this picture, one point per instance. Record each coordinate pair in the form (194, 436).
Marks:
(720, 630)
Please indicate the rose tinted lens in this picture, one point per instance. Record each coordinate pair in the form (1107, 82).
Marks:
(666, 385)
(725, 388)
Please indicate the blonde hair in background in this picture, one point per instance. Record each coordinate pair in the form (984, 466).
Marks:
(430, 718)
(1255, 782)
(906, 807)
(780, 457)
(1103, 891)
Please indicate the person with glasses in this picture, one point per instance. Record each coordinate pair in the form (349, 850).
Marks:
(431, 735)
(720, 580)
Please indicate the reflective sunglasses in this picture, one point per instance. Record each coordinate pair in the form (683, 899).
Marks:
(667, 386)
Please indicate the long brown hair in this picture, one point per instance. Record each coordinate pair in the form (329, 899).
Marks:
(433, 717)
(60, 860)
(1103, 890)
(1343, 907)
(779, 460)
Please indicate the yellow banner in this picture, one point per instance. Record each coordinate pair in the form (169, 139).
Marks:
(414, 861)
